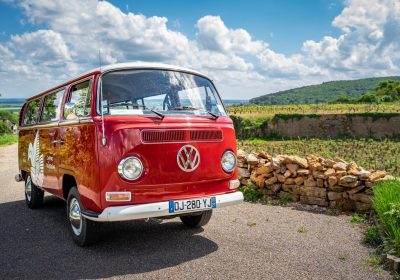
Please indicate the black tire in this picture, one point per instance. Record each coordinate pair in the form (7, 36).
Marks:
(84, 232)
(33, 195)
(196, 221)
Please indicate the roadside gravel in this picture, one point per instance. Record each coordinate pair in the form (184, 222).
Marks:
(248, 241)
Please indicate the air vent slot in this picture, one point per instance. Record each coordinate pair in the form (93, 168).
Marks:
(205, 135)
(154, 136)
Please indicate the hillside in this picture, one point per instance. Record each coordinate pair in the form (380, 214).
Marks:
(324, 92)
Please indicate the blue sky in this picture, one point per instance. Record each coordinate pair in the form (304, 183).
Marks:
(249, 47)
(284, 24)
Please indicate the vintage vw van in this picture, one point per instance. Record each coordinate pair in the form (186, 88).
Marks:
(129, 141)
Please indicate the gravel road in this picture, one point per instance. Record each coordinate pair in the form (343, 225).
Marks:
(248, 241)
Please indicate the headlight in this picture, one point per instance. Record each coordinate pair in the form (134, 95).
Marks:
(228, 161)
(130, 168)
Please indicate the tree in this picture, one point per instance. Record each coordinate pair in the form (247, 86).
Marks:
(368, 98)
(388, 90)
(343, 99)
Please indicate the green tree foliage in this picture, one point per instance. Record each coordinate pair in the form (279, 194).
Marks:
(6, 115)
(343, 99)
(4, 128)
(368, 98)
(325, 92)
(388, 90)
(385, 91)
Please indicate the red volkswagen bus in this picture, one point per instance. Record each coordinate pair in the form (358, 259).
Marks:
(129, 141)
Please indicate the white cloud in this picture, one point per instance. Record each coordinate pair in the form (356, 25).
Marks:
(72, 32)
(214, 35)
(369, 44)
(41, 45)
(277, 64)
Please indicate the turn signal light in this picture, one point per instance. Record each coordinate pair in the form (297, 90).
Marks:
(234, 184)
(118, 196)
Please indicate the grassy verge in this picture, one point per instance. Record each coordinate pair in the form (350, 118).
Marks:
(7, 139)
(387, 207)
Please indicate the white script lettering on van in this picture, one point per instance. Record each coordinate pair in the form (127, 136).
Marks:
(37, 162)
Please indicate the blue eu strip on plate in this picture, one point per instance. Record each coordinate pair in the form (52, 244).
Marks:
(213, 202)
(171, 206)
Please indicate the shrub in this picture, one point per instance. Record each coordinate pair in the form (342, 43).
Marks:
(372, 236)
(6, 115)
(358, 219)
(387, 205)
(4, 128)
(251, 193)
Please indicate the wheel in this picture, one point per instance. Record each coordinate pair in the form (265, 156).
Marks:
(33, 195)
(84, 231)
(196, 221)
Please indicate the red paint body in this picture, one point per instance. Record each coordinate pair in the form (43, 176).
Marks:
(94, 166)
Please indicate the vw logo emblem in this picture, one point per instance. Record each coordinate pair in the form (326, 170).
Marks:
(188, 158)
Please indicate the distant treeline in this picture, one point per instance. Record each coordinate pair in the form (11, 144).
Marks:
(323, 93)
(385, 91)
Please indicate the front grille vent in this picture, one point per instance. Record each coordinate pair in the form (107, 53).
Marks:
(153, 136)
(205, 135)
(159, 136)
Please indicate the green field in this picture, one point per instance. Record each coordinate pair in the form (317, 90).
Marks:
(368, 153)
(259, 112)
(14, 109)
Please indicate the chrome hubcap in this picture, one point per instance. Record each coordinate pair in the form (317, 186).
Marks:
(28, 189)
(75, 216)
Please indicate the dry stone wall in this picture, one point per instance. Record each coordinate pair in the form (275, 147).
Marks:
(337, 126)
(384, 125)
(313, 180)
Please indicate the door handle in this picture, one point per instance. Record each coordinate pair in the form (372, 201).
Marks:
(57, 141)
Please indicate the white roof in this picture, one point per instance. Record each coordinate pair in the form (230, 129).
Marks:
(141, 65)
(132, 65)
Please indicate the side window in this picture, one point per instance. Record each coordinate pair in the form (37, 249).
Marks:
(80, 96)
(51, 109)
(31, 113)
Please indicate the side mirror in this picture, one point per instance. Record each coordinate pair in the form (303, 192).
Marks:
(70, 111)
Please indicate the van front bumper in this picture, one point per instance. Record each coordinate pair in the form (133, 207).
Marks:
(153, 210)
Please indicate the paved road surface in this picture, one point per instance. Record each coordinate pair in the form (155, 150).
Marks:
(36, 245)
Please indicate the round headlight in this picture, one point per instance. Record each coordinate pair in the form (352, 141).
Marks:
(130, 168)
(228, 161)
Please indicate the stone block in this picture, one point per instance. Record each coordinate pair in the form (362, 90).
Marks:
(314, 201)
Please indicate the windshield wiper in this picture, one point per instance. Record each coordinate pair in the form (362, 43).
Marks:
(128, 103)
(187, 108)
(215, 116)
(161, 115)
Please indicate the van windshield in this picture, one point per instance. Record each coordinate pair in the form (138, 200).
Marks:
(144, 92)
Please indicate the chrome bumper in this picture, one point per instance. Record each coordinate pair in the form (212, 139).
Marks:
(152, 210)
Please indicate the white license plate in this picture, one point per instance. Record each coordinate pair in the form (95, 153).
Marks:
(187, 205)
